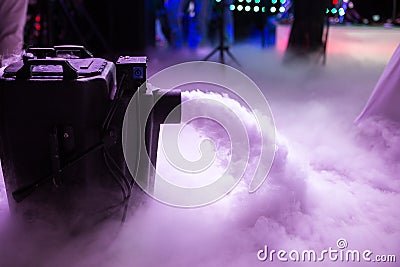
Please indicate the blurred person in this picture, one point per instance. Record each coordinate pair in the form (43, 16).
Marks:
(174, 14)
(351, 14)
(12, 23)
(198, 13)
(384, 100)
(215, 22)
(228, 19)
(308, 25)
(162, 30)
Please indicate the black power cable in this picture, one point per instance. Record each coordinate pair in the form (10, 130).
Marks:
(23, 192)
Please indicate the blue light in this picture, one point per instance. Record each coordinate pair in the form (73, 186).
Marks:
(283, 1)
(232, 7)
(376, 18)
(248, 1)
(334, 10)
(257, 1)
(274, 1)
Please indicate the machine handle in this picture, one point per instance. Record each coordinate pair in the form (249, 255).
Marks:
(42, 52)
(69, 72)
(84, 53)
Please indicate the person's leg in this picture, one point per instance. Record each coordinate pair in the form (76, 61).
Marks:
(229, 28)
(13, 19)
(203, 14)
(174, 16)
(317, 23)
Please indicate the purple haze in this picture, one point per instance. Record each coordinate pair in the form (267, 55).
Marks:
(331, 179)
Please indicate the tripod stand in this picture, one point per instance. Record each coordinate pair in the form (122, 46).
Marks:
(222, 47)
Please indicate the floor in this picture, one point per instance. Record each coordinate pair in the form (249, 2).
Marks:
(331, 180)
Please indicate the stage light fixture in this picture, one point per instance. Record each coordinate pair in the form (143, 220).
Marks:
(257, 6)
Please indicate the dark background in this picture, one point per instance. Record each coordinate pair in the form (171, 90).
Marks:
(128, 26)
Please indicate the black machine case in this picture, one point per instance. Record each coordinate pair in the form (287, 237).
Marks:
(58, 145)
